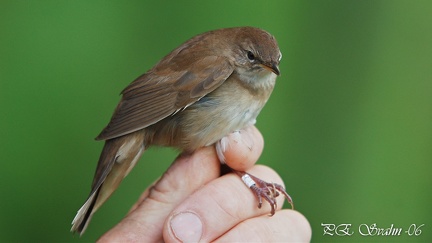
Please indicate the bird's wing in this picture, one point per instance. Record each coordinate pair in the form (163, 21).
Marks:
(176, 82)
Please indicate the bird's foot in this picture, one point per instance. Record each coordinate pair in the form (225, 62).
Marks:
(266, 190)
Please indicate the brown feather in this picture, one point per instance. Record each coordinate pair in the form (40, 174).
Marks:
(153, 97)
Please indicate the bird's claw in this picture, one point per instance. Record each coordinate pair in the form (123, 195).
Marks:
(266, 190)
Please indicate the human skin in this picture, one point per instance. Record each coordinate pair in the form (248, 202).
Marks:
(191, 202)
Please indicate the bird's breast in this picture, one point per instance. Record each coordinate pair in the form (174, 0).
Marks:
(230, 107)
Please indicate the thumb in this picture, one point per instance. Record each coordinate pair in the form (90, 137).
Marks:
(145, 222)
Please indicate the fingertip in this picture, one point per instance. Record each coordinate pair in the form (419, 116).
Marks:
(300, 225)
(244, 148)
(285, 226)
(185, 226)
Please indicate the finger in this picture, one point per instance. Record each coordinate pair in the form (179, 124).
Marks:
(244, 148)
(217, 207)
(284, 226)
(143, 196)
(185, 175)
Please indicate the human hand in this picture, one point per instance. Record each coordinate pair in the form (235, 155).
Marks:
(192, 203)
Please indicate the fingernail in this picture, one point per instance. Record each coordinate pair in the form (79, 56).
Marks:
(186, 226)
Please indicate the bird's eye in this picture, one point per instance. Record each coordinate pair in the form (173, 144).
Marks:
(251, 56)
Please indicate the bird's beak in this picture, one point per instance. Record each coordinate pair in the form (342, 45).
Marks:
(272, 67)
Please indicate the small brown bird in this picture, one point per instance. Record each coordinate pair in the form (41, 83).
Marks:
(210, 86)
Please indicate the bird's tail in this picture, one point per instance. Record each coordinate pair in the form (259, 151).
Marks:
(117, 159)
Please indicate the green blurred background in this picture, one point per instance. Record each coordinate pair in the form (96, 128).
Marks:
(348, 126)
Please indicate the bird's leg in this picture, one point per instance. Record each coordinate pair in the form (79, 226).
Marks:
(266, 190)
(262, 189)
